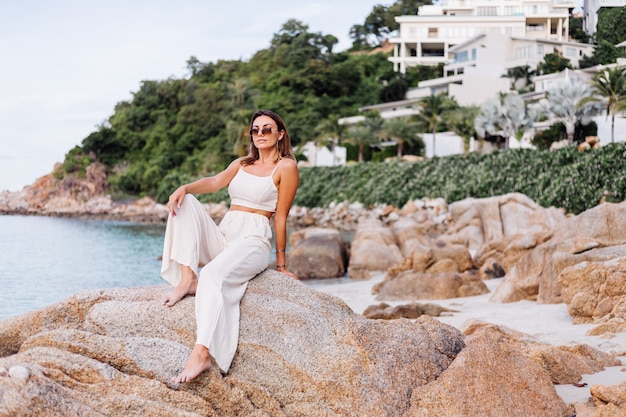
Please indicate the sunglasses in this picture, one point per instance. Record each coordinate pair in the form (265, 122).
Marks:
(264, 131)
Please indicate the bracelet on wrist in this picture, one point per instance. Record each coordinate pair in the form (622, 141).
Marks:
(280, 266)
(280, 250)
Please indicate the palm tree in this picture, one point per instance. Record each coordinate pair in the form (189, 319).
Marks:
(240, 109)
(569, 103)
(402, 130)
(328, 133)
(611, 86)
(522, 72)
(361, 135)
(461, 122)
(375, 122)
(514, 119)
(504, 116)
(431, 112)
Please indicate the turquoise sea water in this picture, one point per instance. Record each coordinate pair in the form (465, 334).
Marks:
(44, 260)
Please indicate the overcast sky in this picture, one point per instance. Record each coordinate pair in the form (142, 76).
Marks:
(64, 64)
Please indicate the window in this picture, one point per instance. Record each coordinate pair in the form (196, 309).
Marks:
(487, 11)
(524, 52)
(461, 56)
(511, 10)
(433, 32)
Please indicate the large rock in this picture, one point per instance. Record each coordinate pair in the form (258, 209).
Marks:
(317, 253)
(595, 292)
(597, 234)
(469, 387)
(301, 353)
(562, 364)
(411, 285)
(476, 222)
(374, 249)
(523, 384)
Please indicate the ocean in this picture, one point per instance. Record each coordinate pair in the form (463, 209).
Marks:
(44, 260)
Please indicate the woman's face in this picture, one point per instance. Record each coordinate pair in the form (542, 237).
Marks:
(265, 132)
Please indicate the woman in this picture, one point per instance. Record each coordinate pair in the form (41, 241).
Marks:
(260, 185)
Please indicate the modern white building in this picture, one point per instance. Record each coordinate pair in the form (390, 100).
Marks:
(543, 83)
(590, 11)
(322, 156)
(477, 67)
(426, 38)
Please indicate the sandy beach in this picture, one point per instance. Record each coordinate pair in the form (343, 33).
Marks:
(547, 323)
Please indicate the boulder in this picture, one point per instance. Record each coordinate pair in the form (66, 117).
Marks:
(408, 311)
(411, 285)
(476, 222)
(523, 384)
(301, 353)
(317, 253)
(373, 250)
(468, 387)
(597, 234)
(595, 292)
(563, 364)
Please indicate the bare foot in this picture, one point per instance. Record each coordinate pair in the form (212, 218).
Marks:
(186, 286)
(198, 362)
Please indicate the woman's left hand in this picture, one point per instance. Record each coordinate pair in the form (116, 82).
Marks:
(286, 272)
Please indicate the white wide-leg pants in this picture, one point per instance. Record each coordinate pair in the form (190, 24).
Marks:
(233, 253)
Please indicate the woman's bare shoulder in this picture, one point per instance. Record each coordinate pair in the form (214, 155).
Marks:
(288, 164)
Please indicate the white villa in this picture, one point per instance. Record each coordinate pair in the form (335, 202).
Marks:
(426, 38)
(545, 82)
(476, 68)
(478, 41)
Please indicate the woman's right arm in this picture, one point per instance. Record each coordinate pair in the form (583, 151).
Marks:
(202, 186)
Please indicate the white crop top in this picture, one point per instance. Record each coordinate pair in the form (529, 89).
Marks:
(254, 192)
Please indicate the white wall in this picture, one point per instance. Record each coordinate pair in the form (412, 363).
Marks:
(604, 129)
(446, 143)
(322, 156)
(478, 87)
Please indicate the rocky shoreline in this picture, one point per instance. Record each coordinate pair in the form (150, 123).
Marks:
(305, 353)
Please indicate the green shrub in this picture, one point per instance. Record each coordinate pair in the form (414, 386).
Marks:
(563, 178)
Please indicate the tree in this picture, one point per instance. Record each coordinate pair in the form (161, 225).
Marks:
(554, 62)
(576, 30)
(402, 130)
(604, 53)
(522, 72)
(380, 22)
(329, 133)
(374, 122)
(360, 135)
(610, 85)
(104, 145)
(568, 102)
(240, 107)
(431, 112)
(461, 122)
(299, 45)
(610, 26)
(424, 72)
(505, 116)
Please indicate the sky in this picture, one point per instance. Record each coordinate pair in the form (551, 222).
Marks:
(65, 64)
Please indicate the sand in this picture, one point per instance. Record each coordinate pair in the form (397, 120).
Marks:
(547, 323)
